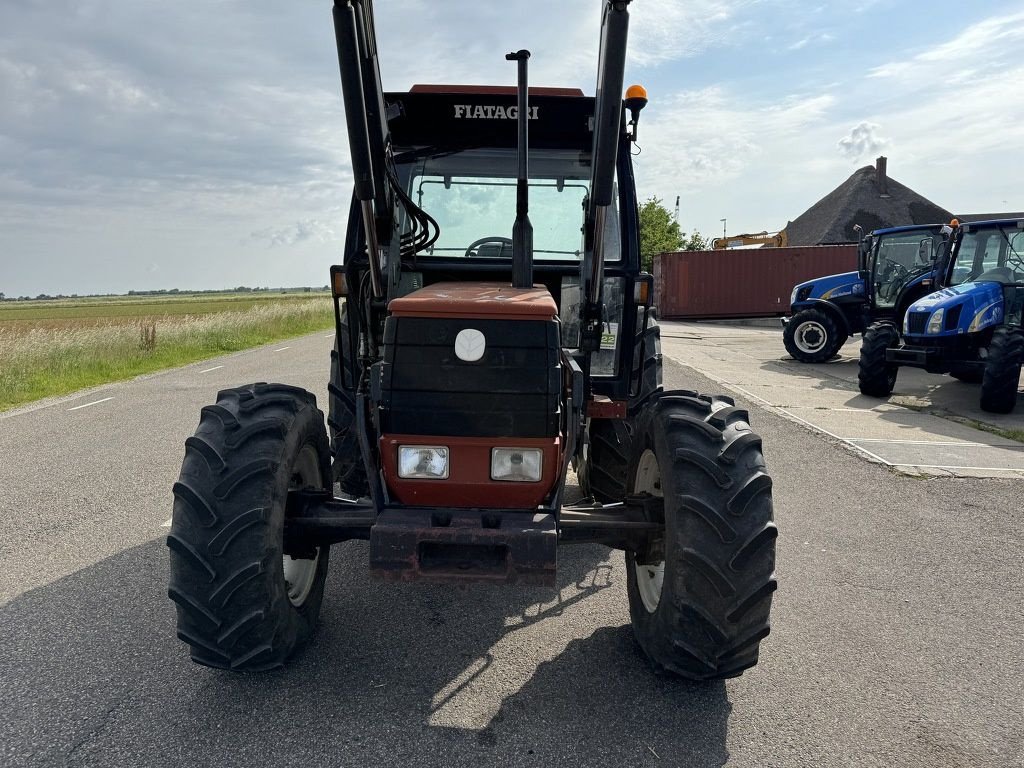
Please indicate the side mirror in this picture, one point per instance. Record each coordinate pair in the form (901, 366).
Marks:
(863, 249)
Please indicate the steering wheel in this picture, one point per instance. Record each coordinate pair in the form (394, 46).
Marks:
(893, 277)
(503, 241)
(895, 267)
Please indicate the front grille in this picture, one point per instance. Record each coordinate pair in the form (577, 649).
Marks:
(514, 390)
(916, 322)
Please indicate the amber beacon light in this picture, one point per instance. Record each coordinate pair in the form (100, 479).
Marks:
(636, 99)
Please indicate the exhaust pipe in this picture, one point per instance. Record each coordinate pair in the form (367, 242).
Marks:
(522, 230)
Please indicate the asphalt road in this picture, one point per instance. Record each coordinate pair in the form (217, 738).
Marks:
(896, 628)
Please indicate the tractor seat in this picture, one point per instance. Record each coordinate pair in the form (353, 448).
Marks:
(495, 251)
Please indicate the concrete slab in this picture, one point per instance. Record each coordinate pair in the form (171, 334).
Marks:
(900, 424)
(948, 456)
(927, 427)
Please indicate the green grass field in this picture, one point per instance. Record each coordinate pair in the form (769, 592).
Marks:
(104, 309)
(59, 346)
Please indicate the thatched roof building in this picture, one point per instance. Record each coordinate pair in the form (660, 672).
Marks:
(868, 198)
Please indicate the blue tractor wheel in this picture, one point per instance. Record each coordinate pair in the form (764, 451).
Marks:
(813, 336)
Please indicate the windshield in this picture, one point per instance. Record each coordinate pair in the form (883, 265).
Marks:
(472, 196)
(991, 254)
(899, 258)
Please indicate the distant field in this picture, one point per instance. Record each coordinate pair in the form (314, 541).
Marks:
(104, 309)
(59, 346)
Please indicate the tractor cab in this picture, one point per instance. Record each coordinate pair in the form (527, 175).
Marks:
(455, 151)
(983, 287)
(989, 252)
(901, 264)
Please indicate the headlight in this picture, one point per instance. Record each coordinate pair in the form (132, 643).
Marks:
(521, 465)
(935, 321)
(423, 461)
(792, 296)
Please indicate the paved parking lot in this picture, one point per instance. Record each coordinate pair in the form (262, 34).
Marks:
(932, 425)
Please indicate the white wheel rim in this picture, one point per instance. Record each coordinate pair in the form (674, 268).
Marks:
(810, 337)
(650, 577)
(300, 573)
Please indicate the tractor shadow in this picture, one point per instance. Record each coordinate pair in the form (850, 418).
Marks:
(421, 674)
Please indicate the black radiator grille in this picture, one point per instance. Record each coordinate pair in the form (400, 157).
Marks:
(514, 390)
(916, 322)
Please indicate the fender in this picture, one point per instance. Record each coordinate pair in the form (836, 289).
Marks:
(834, 310)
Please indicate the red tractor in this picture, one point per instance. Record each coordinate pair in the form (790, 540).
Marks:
(479, 356)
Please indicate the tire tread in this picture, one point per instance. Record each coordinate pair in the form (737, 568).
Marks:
(715, 602)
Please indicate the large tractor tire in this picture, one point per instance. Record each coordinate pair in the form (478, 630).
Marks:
(875, 376)
(647, 356)
(700, 603)
(347, 465)
(242, 603)
(813, 336)
(1002, 370)
(604, 475)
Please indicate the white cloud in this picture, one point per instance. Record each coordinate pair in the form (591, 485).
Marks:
(727, 154)
(862, 141)
(810, 39)
(665, 30)
(297, 232)
(987, 45)
(713, 134)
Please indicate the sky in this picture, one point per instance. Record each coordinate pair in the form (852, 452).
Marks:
(202, 144)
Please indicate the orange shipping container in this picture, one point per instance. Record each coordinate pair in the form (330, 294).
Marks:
(741, 282)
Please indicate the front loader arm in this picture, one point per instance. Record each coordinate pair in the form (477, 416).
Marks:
(368, 136)
(607, 130)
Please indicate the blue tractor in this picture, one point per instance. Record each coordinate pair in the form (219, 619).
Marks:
(971, 328)
(896, 266)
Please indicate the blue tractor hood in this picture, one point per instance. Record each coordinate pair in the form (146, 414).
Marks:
(828, 288)
(966, 308)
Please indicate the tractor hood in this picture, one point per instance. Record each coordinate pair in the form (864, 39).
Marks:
(828, 288)
(966, 308)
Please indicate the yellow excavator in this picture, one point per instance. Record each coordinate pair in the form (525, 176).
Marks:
(764, 239)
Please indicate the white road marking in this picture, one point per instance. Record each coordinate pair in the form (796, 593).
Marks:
(860, 448)
(950, 466)
(891, 409)
(751, 395)
(94, 402)
(212, 369)
(329, 336)
(282, 349)
(963, 443)
(167, 524)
